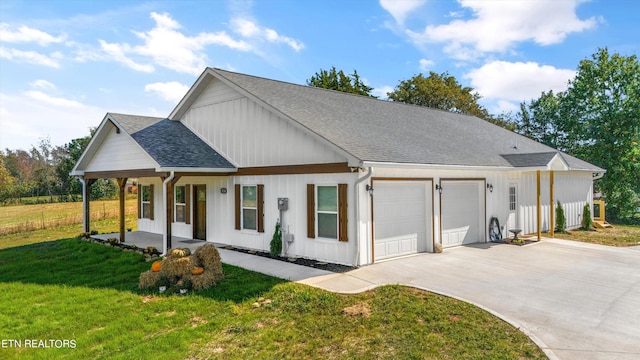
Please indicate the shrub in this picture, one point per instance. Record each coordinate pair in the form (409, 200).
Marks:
(561, 221)
(276, 242)
(587, 221)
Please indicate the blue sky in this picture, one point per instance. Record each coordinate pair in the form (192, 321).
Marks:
(64, 64)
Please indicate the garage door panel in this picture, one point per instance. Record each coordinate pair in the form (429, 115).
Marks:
(462, 212)
(402, 217)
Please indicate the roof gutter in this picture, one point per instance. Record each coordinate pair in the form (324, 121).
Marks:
(196, 169)
(432, 166)
(164, 218)
(356, 261)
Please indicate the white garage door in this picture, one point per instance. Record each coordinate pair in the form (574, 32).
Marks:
(402, 212)
(462, 205)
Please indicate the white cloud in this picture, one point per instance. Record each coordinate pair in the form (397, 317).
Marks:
(172, 91)
(22, 119)
(31, 57)
(118, 53)
(24, 34)
(57, 102)
(425, 64)
(381, 92)
(498, 25)
(251, 30)
(517, 81)
(166, 46)
(42, 84)
(399, 9)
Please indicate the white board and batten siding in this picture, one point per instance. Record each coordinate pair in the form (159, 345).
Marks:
(573, 189)
(402, 218)
(462, 212)
(119, 152)
(221, 217)
(249, 134)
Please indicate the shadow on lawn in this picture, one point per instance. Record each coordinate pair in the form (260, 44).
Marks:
(75, 262)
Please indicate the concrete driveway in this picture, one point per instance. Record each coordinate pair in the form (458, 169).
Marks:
(576, 300)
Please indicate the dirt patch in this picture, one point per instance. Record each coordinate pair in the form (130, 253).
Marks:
(337, 268)
(197, 321)
(359, 309)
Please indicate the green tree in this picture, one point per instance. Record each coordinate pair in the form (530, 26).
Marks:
(338, 80)
(7, 182)
(602, 107)
(561, 221)
(72, 151)
(439, 91)
(542, 120)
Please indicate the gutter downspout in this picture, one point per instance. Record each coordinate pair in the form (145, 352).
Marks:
(356, 261)
(164, 218)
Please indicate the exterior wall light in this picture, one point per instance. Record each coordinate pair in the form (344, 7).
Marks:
(439, 188)
(369, 188)
(490, 187)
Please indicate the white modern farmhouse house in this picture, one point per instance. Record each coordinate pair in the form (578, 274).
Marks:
(352, 179)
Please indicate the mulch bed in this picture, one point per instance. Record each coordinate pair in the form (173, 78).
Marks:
(337, 268)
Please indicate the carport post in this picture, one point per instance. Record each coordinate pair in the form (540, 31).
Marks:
(539, 205)
(551, 207)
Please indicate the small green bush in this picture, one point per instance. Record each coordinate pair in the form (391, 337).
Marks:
(276, 242)
(587, 221)
(561, 221)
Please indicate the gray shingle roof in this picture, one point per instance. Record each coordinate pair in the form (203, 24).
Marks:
(134, 123)
(172, 145)
(384, 131)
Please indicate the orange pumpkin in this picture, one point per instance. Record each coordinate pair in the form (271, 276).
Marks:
(155, 267)
(197, 271)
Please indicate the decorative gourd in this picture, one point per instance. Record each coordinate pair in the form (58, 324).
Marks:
(197, 271)
(180, 253)
(155, 267)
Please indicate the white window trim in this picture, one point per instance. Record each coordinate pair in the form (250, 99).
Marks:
(515, 198)
(143, 202)
(242, 208)
(176, 204)
(336, 213)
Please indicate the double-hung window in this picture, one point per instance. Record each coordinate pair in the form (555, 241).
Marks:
(146, 202)
(327, 212)
(180, 204)
(249, 211)
(249, 207)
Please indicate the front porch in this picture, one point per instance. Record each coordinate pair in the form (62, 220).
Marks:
(143, 239)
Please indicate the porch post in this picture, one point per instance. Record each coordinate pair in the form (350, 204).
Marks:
(86, 199)
(122, 183)
(166, 232)
(552, 214)
(539, 204)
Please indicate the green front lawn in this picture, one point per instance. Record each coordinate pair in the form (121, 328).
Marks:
(74, 290)
(619, 235)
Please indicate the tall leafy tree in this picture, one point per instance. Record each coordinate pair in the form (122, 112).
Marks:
(439, 91)
(596, 119)
(542, 120)
(337, 80)
(602, 107)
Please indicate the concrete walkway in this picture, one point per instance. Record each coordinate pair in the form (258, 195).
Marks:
(575, 300)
